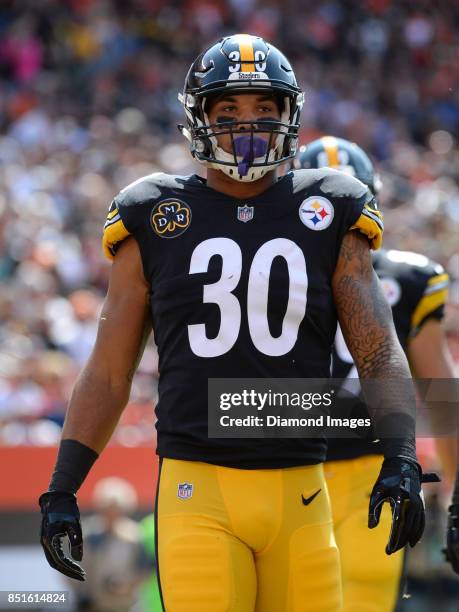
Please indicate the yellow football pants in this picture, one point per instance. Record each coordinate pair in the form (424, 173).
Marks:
(245, 541)
(371, 579)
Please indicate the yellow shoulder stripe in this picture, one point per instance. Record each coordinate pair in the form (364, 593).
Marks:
(426, 305)
(370, 223)
(440, 278)
(112, 214)
(113, 234)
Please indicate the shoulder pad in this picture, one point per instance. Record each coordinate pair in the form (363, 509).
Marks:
(339, 186)
(114, 231)
(121, 214)
(146, 188)
(332, 183)
(427, 277)
(370, 223)
(422, 265)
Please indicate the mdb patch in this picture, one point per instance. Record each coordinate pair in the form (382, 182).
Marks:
(316, 213)
(170, 218)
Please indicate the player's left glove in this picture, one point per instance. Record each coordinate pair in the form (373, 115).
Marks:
(399, 483)
(61, 519)
(452, 537)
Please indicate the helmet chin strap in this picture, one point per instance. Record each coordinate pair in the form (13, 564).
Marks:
(248, 147)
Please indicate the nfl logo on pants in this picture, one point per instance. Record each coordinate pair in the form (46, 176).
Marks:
(185, 490)
(245, 213)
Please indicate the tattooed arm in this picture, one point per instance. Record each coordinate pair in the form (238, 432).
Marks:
(102, 389)
(366, 322)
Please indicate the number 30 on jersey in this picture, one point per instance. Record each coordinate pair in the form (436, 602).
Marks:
(221, 293)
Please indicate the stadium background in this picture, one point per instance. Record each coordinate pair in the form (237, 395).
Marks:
(88, 103)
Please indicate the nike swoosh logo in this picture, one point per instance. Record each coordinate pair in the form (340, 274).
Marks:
(308, 500)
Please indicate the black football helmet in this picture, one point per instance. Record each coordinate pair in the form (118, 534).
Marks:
(242, 64)
(341, 154)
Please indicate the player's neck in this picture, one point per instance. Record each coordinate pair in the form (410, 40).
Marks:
(218, 180)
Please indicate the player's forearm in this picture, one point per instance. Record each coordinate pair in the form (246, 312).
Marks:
(366, 322)
(95, 407)
(384, 372)
(94, 411)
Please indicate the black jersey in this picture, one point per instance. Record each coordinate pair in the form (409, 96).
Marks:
(238, 289)
(416, 289)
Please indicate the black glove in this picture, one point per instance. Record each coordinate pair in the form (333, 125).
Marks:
(399, 483)
(452, 537)
(61, 518)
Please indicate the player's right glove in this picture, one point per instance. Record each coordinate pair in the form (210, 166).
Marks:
(399, 483)
(452, 537)
(61, 519)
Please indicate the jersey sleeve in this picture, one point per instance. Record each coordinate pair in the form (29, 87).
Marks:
(370, 223)
(129, 213)
(358, 205)
(432, 301)
(115, 230)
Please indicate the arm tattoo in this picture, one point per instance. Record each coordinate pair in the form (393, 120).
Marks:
(366, 322)
(364, 314)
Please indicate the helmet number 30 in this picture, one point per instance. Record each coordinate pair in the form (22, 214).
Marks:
(259, 61)
(221, 293)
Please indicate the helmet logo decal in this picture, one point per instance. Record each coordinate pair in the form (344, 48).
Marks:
(170, 218)
(316, 213)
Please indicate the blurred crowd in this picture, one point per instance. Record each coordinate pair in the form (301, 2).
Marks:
(88, 103)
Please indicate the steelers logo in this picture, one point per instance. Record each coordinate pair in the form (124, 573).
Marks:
(170, 218)
(391, 289)
(316, 213)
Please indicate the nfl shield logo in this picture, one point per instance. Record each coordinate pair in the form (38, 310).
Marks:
(185, 490)
(245, 213)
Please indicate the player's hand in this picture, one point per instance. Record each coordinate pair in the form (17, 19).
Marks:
(399, 483)
(61, 519)
(452, 537)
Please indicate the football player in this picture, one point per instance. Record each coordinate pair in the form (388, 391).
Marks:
(240, 275)
(416, 289)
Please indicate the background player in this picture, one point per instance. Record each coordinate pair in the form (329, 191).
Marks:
(452, 533)
(416, 289)
(233, 533)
